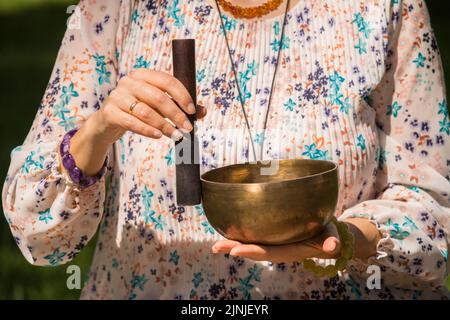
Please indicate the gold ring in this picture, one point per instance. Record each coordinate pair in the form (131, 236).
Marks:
(132, 106)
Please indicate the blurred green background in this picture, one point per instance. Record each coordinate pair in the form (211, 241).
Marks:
(30, 34)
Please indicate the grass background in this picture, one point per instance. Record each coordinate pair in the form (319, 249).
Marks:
(30, 34)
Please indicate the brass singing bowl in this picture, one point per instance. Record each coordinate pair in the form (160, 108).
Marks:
(284, 202)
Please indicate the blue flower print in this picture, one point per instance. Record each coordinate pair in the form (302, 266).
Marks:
(99, 60)
(31, 163)
(355, 287)
(103, 74)
(289, 105)
(60, 110)
(276, 28)
(68, 93)
(381, 157)
(363, 26)
(336, 80)
(174, 13)
(246, 285)
(420, 61)
(147, 196)
(55, 258)
(45, 216)
(361, 142)
(444, 124)
(141, 63)
(393, 109)
(228, 22)
(314, 153)
(200, 210)
(255, 273)
(207, 227)
(197, 279)
(275, 44)
(443, 108)
(201, 75)
(361, 46)
(149, 213)
(365, 30)
(138, 281)
(396, 232)
(135, 16)
(245, 77)
(259, 138)
(149, 216)
(336, 95)
(169, 157)
(68, 123)
(410, 224)
(174, 257)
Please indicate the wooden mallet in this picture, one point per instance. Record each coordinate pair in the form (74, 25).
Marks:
(188, 185)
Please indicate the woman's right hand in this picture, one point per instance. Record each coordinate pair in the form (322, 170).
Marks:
(151, 89)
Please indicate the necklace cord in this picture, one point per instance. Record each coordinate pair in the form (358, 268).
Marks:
(239, 86)
(273, 80)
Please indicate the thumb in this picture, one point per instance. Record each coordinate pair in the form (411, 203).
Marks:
(331, 246)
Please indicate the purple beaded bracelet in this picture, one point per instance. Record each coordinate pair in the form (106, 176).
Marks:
(68, 162)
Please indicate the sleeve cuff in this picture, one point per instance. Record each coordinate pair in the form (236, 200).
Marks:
(384, 245)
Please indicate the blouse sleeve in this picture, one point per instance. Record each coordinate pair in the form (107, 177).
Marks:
(412, 206)
(51, 218)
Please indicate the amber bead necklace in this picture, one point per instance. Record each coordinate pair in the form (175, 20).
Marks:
(250, 12)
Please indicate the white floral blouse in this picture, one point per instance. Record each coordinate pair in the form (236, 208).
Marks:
(359, 82)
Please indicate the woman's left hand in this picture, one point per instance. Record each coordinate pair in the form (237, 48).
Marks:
(325, 245)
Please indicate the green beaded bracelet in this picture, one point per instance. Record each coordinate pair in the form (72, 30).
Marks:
(348, 241)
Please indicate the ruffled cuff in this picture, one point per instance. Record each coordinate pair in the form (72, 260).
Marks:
(385, 245)
(42, 203)
(409, 253)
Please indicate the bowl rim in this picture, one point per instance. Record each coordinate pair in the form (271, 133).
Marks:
(335, 168)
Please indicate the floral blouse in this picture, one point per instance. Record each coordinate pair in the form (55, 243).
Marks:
(359, 83)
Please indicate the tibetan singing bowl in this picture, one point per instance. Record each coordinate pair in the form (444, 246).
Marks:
(278, 203)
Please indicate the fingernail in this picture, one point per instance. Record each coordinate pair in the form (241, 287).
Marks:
(158, 134)
(333, 246)
(177, 135)
(187, 125)
(191, 108)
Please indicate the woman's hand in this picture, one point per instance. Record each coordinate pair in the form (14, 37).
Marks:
(159, 96)
(325, 245)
